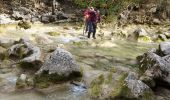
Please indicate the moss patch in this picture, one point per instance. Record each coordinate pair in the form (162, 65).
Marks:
(44, 80)
(53, 33)
(96, 86)
(120, 90)
(109, 78)
(144, 39)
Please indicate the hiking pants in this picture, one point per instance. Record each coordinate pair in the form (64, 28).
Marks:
(92, 29)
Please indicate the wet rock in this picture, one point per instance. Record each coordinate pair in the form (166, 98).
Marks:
(161, 37)
(22, 13)
(24, 24)
(23, 77)
(24, 82)
(44, 19)
(156, 69)
(140, 32)
(2, 53)
(58, 66)
(164, 48)
(27, 52)
(6, 42)
(17, 15)
(162, 94)
(156, 21)
(141, 35)
(61, 16)
(167, 34)
(137, 87)
(5, 19)
(35, 19)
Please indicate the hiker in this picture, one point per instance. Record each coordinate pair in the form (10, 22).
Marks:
(86, 18)
(94, 18)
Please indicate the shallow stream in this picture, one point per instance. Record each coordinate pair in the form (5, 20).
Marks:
(123, 54)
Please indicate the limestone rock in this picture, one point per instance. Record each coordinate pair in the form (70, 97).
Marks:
(164, 48)
(6, 42)
(137, 87)
(156, 21)
(155, 68)
(61, 65)
(27, 52)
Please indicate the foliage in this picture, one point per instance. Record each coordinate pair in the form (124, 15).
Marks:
(107, 7)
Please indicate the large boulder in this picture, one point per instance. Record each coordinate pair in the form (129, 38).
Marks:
(155, 69)
(60, 65)
(26, 52)
(137, 87)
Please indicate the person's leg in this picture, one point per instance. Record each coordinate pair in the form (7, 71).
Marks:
(86, 25)
(90, 29)
(94, 30)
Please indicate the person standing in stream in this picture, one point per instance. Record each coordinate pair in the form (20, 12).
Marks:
(94, 18)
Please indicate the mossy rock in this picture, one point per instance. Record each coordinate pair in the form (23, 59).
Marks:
(53, 33)
(24, 24)
(6, 63)
(29, 66)
(123, 92)
(28, 82)
(96, 86)
(45, 79)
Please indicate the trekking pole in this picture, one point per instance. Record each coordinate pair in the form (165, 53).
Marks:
(84, 28)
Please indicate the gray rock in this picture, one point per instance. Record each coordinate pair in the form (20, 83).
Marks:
(5, 19)
(6, 42)
(140, 32)
(167, 34)
(137, 87)
(164, 48)
(17, 15)
(27, 51)
(24, 82)
(22, 13)
(156, 21)
(154, 68)
(162, 37)
(61, 16)
(44, 19)
(60, 62)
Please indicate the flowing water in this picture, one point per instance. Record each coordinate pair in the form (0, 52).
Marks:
(122, 54)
